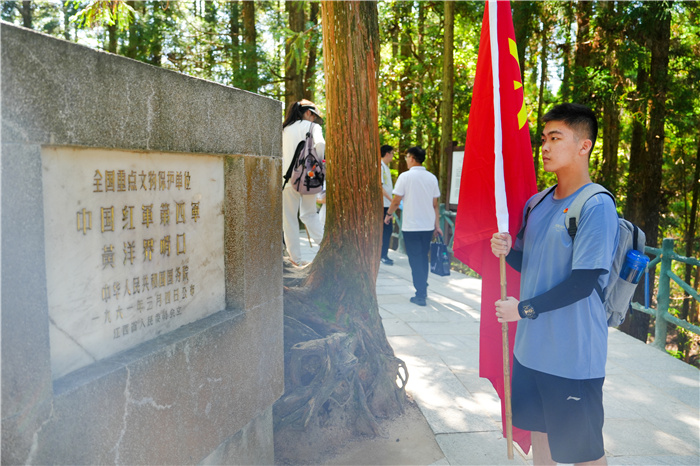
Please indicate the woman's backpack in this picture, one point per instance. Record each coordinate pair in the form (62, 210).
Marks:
(307, 171)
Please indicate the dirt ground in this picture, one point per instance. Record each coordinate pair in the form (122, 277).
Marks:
(407, 440)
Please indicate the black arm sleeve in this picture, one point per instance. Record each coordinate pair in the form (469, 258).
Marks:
(579, 285)
(515, 259)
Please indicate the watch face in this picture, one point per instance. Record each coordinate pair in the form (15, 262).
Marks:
(529, 312)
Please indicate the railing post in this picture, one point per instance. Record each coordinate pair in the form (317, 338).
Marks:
(664, 295)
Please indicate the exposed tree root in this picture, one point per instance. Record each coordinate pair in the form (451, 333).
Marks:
(341, 379)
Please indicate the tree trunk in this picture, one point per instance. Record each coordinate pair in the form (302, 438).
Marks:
(448, 70)
(567, 48)
(582, 58)
(540, 99)
(341, 373)
(292, 76)
(234, 32)
(250, 54)
(112, 38)
(26, 12)
(611, 110)
(658, 27)
(310, 74)
(637, 323)
(405, 84)
(690, 236)
(523, 14)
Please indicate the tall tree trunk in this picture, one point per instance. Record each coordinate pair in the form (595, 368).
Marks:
(448, 69)
(112, 38)
(132, 42)
(310, 74)
(636, 323)
(341, 372)
(567, 56)
(657, 23)
(690, 236)
(66, 11)
(210, 19)
(26, 12)
(611, 110)
(523, 14)
(405, 84)
(540, 98)
(250, 53)
(293, 78)
(582, 58)
(234, 30)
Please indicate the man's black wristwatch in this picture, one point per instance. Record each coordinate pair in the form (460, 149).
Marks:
(526, 311)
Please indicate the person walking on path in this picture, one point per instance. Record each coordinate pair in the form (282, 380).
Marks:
(387, 154)
(301, 116)
(561, 341)
(418, 188)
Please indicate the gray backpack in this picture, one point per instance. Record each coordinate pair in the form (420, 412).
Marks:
(618, 293)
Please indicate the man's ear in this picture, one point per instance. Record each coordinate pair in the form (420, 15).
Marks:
(586, 146)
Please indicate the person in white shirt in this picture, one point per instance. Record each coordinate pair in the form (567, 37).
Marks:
(387, 155)
(301, 116)
(418, 188)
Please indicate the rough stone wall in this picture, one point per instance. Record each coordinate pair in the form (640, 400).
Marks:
(202, 393)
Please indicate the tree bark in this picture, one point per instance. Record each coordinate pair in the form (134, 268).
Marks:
(341, 373)
(448, 70)
(310, 74)
(523, 14)
(647, 208)
(234, 32)
(540, 98)
(582, 57)
(292, 77)
(690, 236)
(611, 110)
(250, 53)
(405, 84)
(26, 12)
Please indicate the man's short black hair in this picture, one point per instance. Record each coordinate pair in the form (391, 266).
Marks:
(385, 149)
(578, 117)
(418, 153)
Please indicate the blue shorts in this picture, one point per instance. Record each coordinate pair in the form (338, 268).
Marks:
(569, 411)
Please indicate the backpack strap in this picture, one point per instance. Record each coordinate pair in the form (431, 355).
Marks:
(534, 202)
(573, 213)
(295, 159)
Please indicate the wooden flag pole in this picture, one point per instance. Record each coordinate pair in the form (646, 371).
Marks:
(506, 363)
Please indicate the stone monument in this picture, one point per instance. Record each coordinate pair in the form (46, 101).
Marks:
(141, 261)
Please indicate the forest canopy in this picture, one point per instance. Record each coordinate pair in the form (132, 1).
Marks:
(635, 63)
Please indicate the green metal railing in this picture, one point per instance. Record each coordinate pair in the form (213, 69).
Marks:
(665, 256)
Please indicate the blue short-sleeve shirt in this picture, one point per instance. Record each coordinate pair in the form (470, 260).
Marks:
(572, 341)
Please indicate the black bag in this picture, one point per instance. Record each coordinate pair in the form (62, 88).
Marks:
(439, 258)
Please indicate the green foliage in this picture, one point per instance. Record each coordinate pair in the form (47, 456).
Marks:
(105, 13)
(207, 39)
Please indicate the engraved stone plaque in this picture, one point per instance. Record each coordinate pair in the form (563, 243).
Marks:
(134, 248)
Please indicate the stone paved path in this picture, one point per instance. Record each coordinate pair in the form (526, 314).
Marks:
(652, 401)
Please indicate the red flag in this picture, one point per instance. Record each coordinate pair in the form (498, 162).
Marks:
(498, 177)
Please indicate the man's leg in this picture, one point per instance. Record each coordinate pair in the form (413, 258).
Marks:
(424, 257)
(540, 449)
(413, 250)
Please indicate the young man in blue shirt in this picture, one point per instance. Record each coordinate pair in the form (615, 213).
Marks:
(561, 342)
